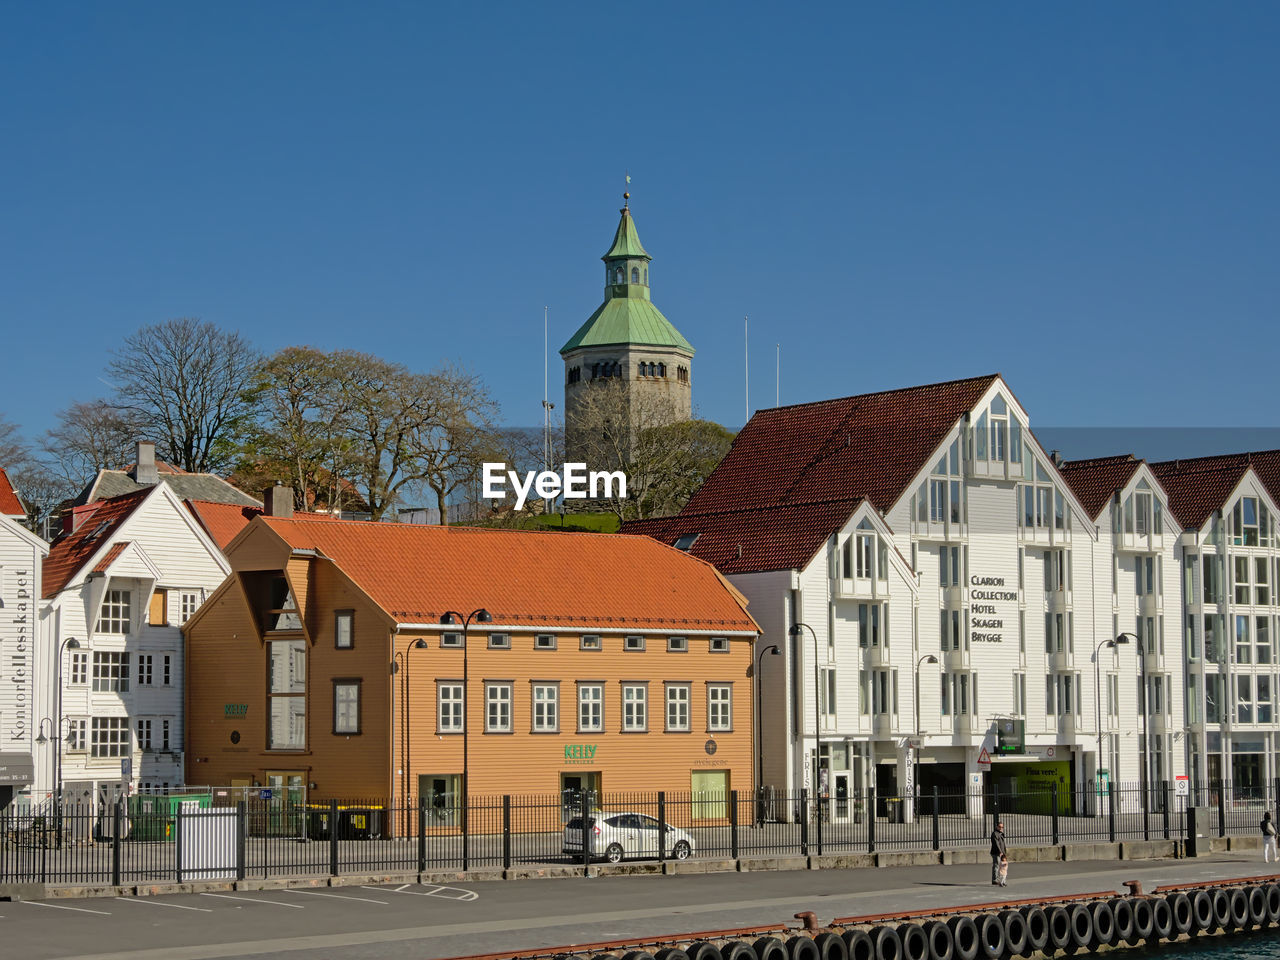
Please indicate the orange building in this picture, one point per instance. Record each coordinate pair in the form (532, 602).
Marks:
(326, 660)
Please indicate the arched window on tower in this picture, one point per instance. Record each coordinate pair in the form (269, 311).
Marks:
(646, 276)
(641, 369)
(617, 275)
(635, 274)
(662, 369)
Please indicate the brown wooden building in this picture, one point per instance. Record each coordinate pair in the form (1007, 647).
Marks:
(613, 663)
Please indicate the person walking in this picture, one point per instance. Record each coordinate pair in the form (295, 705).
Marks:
(998, 854)
(1268, 839)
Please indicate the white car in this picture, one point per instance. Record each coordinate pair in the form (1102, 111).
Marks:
(615, 836)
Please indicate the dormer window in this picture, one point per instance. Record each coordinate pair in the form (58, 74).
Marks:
(114, 616)
(1250, 523)
(686, 541)
(283, 614)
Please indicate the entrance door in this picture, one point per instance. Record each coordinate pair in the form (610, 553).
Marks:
(710, 794)
(572, 788)
(443, 793)
(842, 796)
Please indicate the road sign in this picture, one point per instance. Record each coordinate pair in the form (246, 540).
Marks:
(126, 768)
(1182, 786)
(984, 758)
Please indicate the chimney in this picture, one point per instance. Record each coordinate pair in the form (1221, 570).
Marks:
(1056, 457)
(277, 501)
(144, 468)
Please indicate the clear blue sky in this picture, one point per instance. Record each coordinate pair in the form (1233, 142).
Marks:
(1082, 196)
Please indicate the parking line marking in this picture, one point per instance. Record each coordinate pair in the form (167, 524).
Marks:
(456, 893)
(338, 896)
(276, 903)
(58, 906)
(157, 903)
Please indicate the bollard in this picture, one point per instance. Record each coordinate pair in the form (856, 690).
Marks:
(804, 822)
(333, 838)
(422, 834)
(1164, 802)
(1222, 811)
(871, 820)
(242, 839)
(506, 831)
(1111, 811)
(936, 844)
(1053, 798)
(733, 826)
(662, 825)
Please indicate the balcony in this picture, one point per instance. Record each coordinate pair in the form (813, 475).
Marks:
(1142, 542)
(1062, 661)
(1158, 724)
(954, 660)
(953, 598)
(1058, 601)
(882, 726)
(1150, 604)
(940, 531)
(876, 655)
(859, 588)
(1069, 726)
(966, 725)
(1153, 661)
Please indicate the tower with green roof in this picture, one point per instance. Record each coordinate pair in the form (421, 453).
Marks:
(627, 345)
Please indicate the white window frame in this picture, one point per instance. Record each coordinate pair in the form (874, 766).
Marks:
(678, 708)
(720, 706)
(497, 707)
(115, 615)
(451, 707)
(545, 699)
(635, 708)
(590, 707)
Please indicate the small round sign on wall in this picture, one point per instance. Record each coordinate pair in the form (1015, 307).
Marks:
(710, 747)
(235, 736)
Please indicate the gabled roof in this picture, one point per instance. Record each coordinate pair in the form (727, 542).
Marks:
(224, 521)
(794, 474)
(10, 504)
(70, 552)
(188, 486)
(1096, 481)
(416, 573)
(111, 556)
(1201, 485)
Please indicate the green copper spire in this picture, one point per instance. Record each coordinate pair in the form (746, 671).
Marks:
(627, 315)
(626, 242)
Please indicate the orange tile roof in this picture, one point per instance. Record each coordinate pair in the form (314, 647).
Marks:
(224, 521)
(582, 580)
(10, 505)
(71, 551)
(115, 551)
(1200, 485)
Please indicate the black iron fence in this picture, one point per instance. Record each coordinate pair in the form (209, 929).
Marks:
(184, 836)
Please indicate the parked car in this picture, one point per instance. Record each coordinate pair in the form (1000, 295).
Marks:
(615, 836)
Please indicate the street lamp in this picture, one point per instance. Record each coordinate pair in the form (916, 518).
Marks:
(71, 643)
(1097, 700)
(1142, 707)
(773, 650)
(915, 749)
(453, 618)
(407, 759)
(794, 631)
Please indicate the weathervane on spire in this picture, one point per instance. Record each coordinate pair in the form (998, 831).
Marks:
(626, 196)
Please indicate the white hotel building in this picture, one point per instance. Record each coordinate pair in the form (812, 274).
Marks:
(876, 534)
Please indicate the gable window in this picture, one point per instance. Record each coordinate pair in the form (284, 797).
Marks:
(343, 629)
(113, 617)
(590, 707)
(283, 614)
(346, 707)
(678, 708)
(1245, 522)
(449, 707)
(287, 694)
(497, 702)
(589, 641)
(999, 429)
(110, 672)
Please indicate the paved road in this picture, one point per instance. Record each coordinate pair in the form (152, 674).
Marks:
(377, 922)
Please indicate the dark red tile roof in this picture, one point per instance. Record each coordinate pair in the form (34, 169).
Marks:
(795, 474)
(71, 551)
(224, 521)
(105, 563)
(10, 505)
(1198, 486)
(1095, 481)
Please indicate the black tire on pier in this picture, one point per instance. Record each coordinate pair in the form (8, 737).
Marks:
(1161, 919)
(738, 950)
(1184, 920)
(1015, 931)
(1104, 923)
(942, 946)
(887, 943)
(1037, 929)
(830, 947)
(802, 948)
(675, 953)
(1201, 911)
(964, 936)
(915, 945)
(1273, 903)
(703, 950)
(1122, 910)
(1059, 927)
(769, 948)
(1257, 906)
(990, 936)
(858, 944)
(1143, 919)
(1239, 909)
(1221, 909)
(637, 955)
(1081, 927)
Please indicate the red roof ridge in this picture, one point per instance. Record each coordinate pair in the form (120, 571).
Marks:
(877, 393)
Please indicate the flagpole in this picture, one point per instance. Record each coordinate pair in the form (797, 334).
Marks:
(746, 373)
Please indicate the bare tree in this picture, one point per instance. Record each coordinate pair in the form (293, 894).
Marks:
(43, 492)
(190, 382)
(452, 449)
(89, 437)
(14, 452)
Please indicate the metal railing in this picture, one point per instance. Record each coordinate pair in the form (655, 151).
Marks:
(157, 838)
